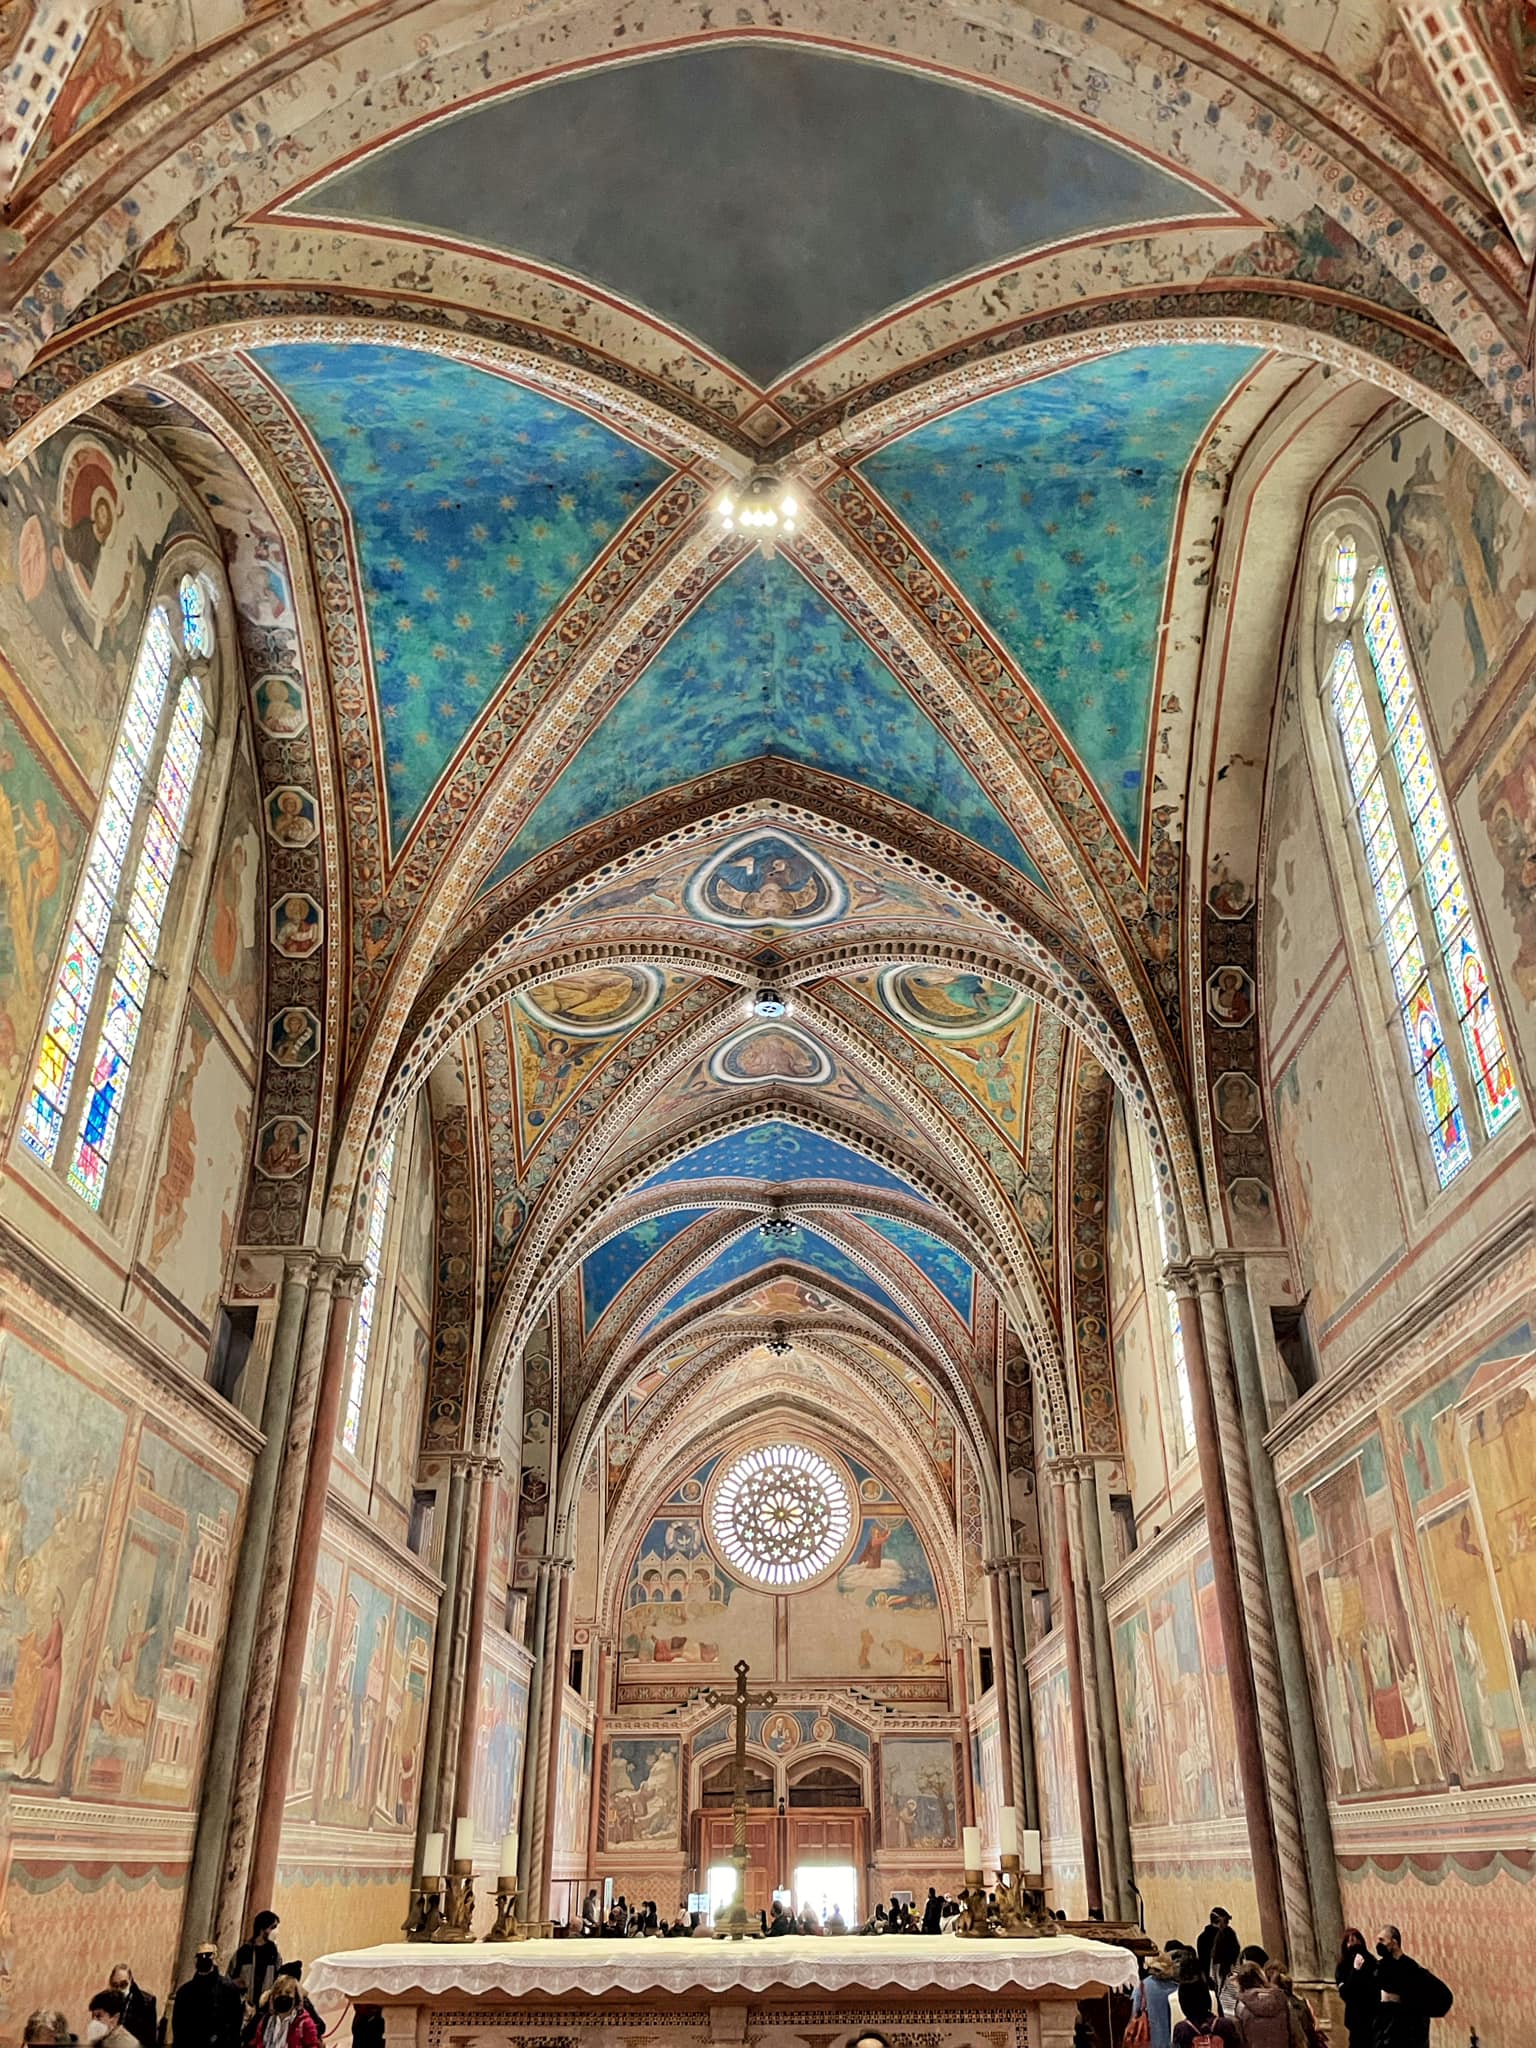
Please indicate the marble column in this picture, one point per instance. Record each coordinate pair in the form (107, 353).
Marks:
(1021, 1714)
(1088, 1477)
(272, 1622)
(607, 1647)
(294, 1648)
(1229, 1609)
(1082, 1748)
(435, 1735)
(959, 1650)
(1002, 1676)
(538, 1614)
(554, 1702)
(1305, 1757)
(200, 1906)
(474, 1641)
(1079, 1504)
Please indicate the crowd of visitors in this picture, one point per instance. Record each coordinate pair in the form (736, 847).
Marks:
(260, 2004)
(1221, 1991)
(622, 1921)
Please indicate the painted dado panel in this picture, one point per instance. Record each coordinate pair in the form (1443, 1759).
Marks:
(1415, 1542)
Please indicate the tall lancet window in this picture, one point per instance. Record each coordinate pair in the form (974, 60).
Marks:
(368, 1300)
(1451, 1028)
(74, 1107)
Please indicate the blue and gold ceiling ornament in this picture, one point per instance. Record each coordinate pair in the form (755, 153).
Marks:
(780, 1153)
(1051, 507)
(475, 504)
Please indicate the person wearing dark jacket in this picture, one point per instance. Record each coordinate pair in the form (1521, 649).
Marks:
(1218, 1947)
(1354, 1974)
(208, 2011)
(933, 1908)
(259, 1961)
(1407, 1995)
(141, 2015)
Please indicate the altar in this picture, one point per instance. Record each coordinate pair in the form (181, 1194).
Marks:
(934, 1991)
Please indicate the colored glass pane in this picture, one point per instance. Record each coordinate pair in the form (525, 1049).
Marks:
(367, 1300)
(136, 952)
(196, 626)
(1345, 560)
(1481, 1031)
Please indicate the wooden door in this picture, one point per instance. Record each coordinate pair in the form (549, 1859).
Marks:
(718, 1837)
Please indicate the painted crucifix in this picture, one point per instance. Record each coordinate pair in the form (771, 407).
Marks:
(735, 1923)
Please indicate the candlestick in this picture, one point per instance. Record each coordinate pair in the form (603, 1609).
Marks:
(507, 1873)
(463, 1840)
(1029, 1851)
(432, 1854)
(971, 1838)
(1008, 1831)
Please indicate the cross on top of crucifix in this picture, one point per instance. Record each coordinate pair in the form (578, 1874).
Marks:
(741, 1699)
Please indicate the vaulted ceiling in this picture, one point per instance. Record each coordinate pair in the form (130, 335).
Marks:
(460, 332)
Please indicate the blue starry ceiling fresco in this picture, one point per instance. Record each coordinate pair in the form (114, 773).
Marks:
(476, 505)
(1052, 507)
(765, 666)
(947, 1270)
(751, 1253)
(779, 1153)
(609, 1270)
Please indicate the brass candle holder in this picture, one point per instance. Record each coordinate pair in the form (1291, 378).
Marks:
(975, 1919)
(1017, 1911)
(456, 1920)
(508, 1927)
(425, 1913)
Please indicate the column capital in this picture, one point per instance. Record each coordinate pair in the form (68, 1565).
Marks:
(350, 1275)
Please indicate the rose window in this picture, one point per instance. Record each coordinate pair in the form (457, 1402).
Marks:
(781, 1516)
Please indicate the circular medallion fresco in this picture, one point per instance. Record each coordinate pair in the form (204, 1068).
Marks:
(944, 1002)
(766, 878)
(770, 1052)
(780, 1516)
(595, 1001)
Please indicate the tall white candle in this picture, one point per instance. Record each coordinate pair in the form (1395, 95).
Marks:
(1008, 1825)
(972, 1842)
(1029, 1852)
(432, 1855)
(508, 1865)
(463, 1840)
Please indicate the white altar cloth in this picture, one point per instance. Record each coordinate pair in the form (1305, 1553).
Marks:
(828, 1964)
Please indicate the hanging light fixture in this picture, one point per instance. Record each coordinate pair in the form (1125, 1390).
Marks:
(776, 1226)
(779, 1343)
(764, 508)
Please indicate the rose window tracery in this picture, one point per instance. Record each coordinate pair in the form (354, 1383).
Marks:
(781, 1515)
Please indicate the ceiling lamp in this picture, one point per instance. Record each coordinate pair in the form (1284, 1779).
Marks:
(777, 1226)
(779, 1343)
(768, 1002)
(764, 508)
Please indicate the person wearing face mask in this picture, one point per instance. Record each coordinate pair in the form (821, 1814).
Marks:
(1354, 1975)
(259, 1960)
(1410, 1996)
(105, 2027)
(140, 2013)
(283, 2021)
(208, 2010)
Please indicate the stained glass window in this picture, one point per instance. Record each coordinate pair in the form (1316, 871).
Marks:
(780, 1516)
(139, 831)
(368, 1300)
(1417, 880)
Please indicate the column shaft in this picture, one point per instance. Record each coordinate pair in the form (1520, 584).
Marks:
(539, 1610)
(1091, 1700)
(1021, 1714)
(205, 1873)
(474, 1653)
(457, 1711)
(560, 1662)
(1229, 1609)
(272, 1622)
(1081, 1752)
(1002, 1677)
(287, 1690)
(1291, 1659)
(435, 1736)
(599, 1719)
(957, 1654)
(1109, 1707)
